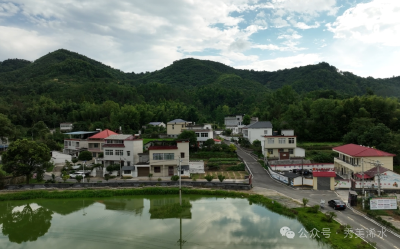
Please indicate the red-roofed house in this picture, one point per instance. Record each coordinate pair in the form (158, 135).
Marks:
(353, 156)
(96, 142)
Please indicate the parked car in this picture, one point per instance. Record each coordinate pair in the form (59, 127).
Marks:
(337, 204)
(73, 175)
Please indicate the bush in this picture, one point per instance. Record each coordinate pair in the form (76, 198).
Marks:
(150, 176)
(195, 177)
(79, 178)
(85, 156)
(329, 216)
(74, 160)
(239, 167)
(221, 178)
(305, 201)
(213, 166)
(174, 178)
(209, 178)
(107, 177)
(223, 159)
(314, 209)
(159, 179)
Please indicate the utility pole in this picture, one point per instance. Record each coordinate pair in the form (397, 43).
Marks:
(302, 172)
(362, 169)
(378, 164)
(180, 189)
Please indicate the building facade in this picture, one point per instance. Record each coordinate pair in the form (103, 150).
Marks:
(203, 132)
(122, 149)
(234, 123)
(96, 142)
(354, 158)
(65, 127)
(282, 147)
(175, 127)
(257, 130)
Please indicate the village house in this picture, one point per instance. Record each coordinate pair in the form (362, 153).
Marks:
(281, 147)
(159, 124)
(175, 127)
(96, 142)
(122, 149)
(234, 123)
(203, 132)
(353, 158)
(257, 130)
(64, 127)
(163, 161)
(77, 142)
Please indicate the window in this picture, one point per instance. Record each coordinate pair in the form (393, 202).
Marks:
(282, 140)
(96, 145)
(157, 169)
(128, 153)
(69, 143)
(291, 151)
(158, 156)
(77, 144)
(65, 143)
(245, 133)
(204, 134)
(182, 154)
(270, 151)
(197, 134)
(265, 132)
(119, 152)
(271, 140)
(173, 127)
(109, 152)
(128, 163)
(168, 156)
(182, 126)
(291, 140)
(126, 172)
(280, 150)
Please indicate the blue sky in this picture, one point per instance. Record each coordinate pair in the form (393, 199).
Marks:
(359, 36)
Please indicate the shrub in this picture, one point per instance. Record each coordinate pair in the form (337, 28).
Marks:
(85, 156)
(305, 201)
(313, 209)
(222, 159)
(195, 177)
(174, 178)
(107, 177)
(209, 178)
(150, 176)
(88, 179)
(329, 216)
(239, 167)
(213, 166)
(65, 176)
(159, 179)
(101, 154)
(74, 160)
(78, 178)
(221, 178)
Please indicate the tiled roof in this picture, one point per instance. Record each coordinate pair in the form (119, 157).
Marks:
(361, 151)
(324, 174)
(103, 134)
(177, 121)
(374, 171)
(259, 124)
(163, 147)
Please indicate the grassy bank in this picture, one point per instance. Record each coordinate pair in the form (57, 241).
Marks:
(309, 220)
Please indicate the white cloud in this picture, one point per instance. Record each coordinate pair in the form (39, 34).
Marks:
(376, 22)
(302, 25)
(8, 9)
(283, 62)
(310, 7)
(292, 36)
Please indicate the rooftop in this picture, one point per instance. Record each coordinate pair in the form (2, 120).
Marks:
(103, 134)
(119, 136)
(155, 123)
(80, 132)
(374, 171)
(259, 124)
(361, 151)
(177, 121)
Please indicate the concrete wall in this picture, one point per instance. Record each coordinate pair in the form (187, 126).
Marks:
(299, 152)
(59, 158)
(196, 167)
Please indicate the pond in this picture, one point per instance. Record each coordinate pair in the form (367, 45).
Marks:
(146, 222)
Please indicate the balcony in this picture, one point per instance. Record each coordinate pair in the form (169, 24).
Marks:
(348, 165)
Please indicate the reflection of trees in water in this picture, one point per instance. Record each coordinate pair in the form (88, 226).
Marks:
(25, 225)
(167, 208)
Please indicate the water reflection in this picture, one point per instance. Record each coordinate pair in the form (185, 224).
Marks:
(25, 223)
(145, 222)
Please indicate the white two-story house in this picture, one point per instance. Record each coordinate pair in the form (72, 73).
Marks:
(164, 160)
(282, 147)
(203, 132)
(257, 130)
(122, 149)
(234, 123)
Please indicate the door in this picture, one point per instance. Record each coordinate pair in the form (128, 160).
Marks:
(284, 155)
(170, 170)
(143, 171)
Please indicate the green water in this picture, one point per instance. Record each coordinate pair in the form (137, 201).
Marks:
(145, 222)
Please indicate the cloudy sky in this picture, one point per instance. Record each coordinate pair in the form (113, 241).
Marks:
(360, 36)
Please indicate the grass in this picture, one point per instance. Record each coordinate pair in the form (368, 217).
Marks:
(309, 220)
(50, 169)
(146, 140)
(333, 144)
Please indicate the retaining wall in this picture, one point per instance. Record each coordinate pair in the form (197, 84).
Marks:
(220, 185)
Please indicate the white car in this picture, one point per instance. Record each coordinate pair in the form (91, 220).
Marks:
(73, 175)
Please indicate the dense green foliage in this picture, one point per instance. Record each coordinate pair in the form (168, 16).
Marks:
(85, 156)
(239, 167)
(319, 102)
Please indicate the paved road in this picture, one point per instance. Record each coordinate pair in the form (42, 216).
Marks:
(356, 221)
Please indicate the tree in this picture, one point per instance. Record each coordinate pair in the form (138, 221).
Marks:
(232, 148)
(246, 119)
(210, 142)
(25, 157)
(40, 130)
(191, 135)
(65, 176)
(7, 129)
(85, 156)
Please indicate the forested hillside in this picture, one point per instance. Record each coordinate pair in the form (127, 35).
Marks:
(318, 101)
